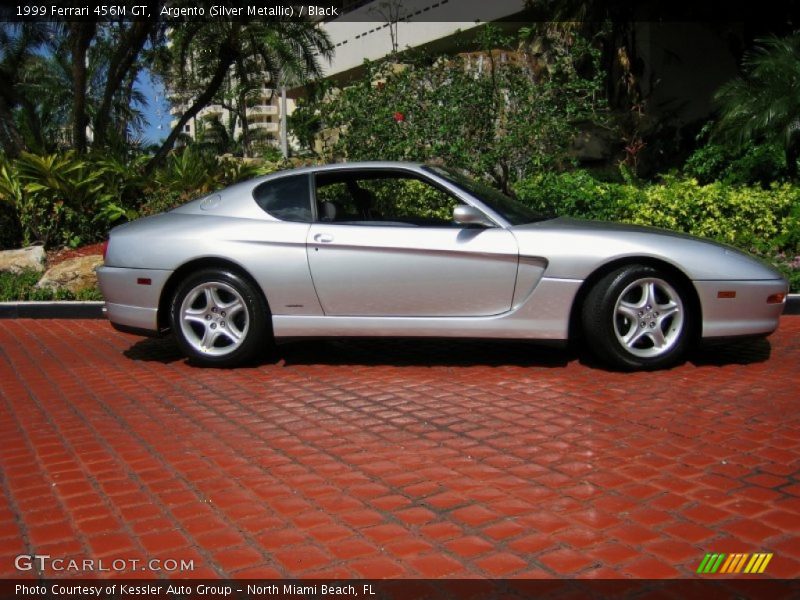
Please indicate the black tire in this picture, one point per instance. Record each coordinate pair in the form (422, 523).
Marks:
(218, 318)
(664, 318)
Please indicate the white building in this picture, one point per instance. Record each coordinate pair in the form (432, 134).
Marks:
(372, 29)
(263, 116)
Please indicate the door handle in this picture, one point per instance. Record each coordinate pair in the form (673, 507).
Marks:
(323, 237)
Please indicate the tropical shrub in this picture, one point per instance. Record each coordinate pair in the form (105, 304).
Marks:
(750, 164)
(70, 200)
(764, 103)
(193, 173)
(63, 198)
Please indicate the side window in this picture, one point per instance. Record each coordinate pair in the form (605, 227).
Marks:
(389, 199)
(287, 199)
(410, 200)
(335, 203)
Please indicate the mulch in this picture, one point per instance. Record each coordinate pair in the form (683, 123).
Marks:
(55, 257)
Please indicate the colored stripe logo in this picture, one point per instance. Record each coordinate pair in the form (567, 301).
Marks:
(717, 562)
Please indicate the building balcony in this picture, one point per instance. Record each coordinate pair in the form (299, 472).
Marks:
(262, 109)
(212, 110)
(271, 127)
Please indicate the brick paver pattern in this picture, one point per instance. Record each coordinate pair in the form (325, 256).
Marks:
(395, 458)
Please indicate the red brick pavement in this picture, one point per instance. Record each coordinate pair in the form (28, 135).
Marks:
(395, 458)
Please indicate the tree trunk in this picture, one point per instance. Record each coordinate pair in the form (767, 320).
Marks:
(245, 124)
(10, 139)
(792, 153)
(81, 35)
(122, 122)
(38, 143)
(130, 46)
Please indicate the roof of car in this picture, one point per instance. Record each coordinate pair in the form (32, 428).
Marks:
(372, 164)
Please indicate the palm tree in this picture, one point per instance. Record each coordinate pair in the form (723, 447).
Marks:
(79, 36)
(44, 113)
(763, 105)
(18, 43)
(203, 53)
(123, 50)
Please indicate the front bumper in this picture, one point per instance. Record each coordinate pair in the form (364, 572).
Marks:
(132, 296)
(747, 313)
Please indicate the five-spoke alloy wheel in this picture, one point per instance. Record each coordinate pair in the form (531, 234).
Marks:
(638, 317)
(218, 318)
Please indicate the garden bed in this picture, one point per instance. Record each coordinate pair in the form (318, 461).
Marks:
(22, 286)
(58, 256)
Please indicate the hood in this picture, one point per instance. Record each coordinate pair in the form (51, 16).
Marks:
(576, 247)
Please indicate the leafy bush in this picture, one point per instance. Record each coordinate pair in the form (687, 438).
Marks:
(163, 199)
(193, 173)
(65, 199)
(749, 217)
(576, 194)
(16, 287)
(498, 113)
(733, 164)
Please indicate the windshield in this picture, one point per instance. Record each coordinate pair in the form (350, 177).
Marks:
(511, 210)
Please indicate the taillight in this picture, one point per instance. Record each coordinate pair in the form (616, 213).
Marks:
(105, 250)
(776, 298)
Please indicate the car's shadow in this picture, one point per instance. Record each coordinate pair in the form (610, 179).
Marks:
(396, 352)
(446, 352)
(163, 350)
(424, 352)
(732, 352)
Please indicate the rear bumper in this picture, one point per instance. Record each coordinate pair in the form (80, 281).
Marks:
(133, 319)
(746, 314)
(132, 296)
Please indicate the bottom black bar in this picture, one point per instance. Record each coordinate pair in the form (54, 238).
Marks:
(705, 588)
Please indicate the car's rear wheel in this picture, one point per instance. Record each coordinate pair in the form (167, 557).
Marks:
(638, 317)
(218, 318)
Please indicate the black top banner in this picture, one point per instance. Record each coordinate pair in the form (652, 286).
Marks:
(167, 11)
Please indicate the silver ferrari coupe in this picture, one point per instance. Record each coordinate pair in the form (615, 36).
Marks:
(402, 249)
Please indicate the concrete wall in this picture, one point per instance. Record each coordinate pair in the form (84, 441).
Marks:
(365, 32)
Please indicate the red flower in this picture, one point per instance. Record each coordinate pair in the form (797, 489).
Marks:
(399, 117)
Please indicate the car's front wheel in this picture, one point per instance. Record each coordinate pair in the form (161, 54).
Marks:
(218, 318)
(638, 317)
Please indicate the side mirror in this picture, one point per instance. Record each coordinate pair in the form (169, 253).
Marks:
(469, 215)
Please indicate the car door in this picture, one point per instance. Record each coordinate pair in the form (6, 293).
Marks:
(402, 256)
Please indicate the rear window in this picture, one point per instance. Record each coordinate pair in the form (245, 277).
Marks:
(287, 198)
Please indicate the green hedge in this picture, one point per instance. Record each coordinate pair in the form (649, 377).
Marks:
(765, 222)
